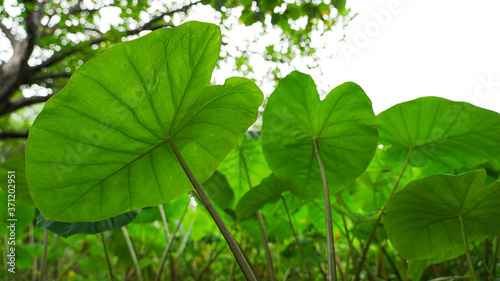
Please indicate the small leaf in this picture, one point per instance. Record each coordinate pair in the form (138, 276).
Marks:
(65, 229)
(422, 220)
(219, 191)
(267, 191)
(100, 147)
(456, 134)
(343, 125)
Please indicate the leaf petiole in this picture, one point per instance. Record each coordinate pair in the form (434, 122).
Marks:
(467, 250)
(297, 239)
(108, 261)
(171, 238)
(44, 258)
(132, 253)
(375, 227)
(260, 218)
(332, 270)
(233, 245)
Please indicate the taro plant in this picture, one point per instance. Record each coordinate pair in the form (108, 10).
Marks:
(327, 190)
(457, 135)
(159, 129)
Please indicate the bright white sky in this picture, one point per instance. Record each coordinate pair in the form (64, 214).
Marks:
(396, 50)
(441, 48)
(399, 50)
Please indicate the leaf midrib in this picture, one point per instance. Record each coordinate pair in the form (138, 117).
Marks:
(142, 154)
(158, 144)
(177, 109)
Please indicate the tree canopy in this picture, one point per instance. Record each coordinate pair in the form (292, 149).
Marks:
(44, 42)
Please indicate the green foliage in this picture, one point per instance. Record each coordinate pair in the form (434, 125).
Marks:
(103, 146)
(130, 129)
(283, 13)
(456, 134)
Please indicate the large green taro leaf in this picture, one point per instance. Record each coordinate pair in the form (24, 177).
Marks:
(343, 125)
(422, 220)
(100, 147)
(456, 134)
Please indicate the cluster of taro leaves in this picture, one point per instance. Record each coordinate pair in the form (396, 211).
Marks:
(101, 150)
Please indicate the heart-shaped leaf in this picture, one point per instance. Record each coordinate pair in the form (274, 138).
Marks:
(100, 147)
(422, 220)
(456, 134)
(343, 125)
(66, 229)
(268, 191)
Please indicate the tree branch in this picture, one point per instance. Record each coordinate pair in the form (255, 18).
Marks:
(77, 9)
(8, 34)
(184, 9)
(63, 54)
(43, 78)
(53, 59)
(27, 74)
(22, 102)
(13, 135)
(147, 26)
(24, 50)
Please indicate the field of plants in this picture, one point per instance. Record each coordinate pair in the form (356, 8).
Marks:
(139, 169)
